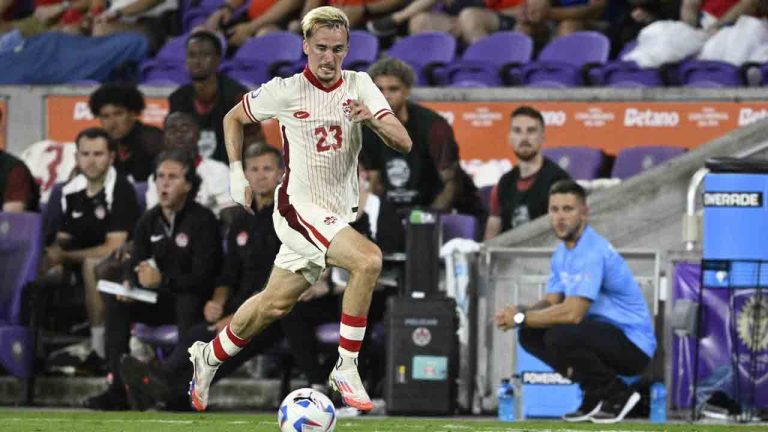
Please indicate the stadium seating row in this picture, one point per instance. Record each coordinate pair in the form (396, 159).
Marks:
(500, 59)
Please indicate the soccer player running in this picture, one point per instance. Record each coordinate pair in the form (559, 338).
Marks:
(321, 112)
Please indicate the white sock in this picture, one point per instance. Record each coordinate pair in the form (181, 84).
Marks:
(97, 341)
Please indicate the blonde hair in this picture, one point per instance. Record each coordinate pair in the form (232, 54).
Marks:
(325, 16)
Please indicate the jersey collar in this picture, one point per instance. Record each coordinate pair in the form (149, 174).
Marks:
(316, 82)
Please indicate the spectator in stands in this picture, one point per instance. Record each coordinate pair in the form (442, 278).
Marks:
(18, 190)
(568, 15)
(423, 16)
(156, 19)
(263, 17)
(182, 132)
(118, 108)
(358, 11)
(497, 15)
(100, 209)
(210, 94)
(712, 15)
(593, 323)
(72, 17)
(252, 245)
(176, 253)
(430, 175)
(521, 194)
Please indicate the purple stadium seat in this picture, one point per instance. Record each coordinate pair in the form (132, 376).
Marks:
(626, 74)
(485, 195)
(162, 335)
(425, 52)
(169, 63)
(581, 163)
(459, 226)
(141, 195)
(196, 15)
(563, 60)
(264, 57)
(486, 62)
(363, 51)
(710, 74)
(21, 243)
(634, 160)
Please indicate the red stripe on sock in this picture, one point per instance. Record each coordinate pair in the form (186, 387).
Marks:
(354, 321)
(350, 345)
(218, 350)
(236, 340)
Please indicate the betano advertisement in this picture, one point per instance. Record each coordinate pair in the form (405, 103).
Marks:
(481, 128)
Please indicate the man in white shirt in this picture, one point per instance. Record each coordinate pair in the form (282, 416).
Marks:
(321, 112)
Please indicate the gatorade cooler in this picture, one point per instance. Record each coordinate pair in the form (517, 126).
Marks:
(735, 221)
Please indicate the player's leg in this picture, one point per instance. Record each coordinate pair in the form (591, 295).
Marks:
(273, 302)
(362, 258)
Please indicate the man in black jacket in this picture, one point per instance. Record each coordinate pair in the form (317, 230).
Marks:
(210, 95)
(523, 193)
(176, 252)
(252, 245)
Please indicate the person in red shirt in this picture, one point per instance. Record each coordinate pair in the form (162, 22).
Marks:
(264, 16)
(712, 15)
(71, 16)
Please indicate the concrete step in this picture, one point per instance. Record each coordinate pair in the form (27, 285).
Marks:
(229, 393)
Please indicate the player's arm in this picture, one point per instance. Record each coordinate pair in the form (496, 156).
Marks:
(392, 132)
(234, 121)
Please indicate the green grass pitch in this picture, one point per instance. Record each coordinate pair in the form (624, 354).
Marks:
(83, 421)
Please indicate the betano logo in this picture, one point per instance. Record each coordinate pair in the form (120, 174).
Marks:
(634, 117)
(749, 115)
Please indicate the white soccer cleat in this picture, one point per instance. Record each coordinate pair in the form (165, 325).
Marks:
(348, 383)
(202, 376)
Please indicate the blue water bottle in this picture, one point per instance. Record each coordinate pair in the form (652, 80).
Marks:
(658, 403)
(506, 396)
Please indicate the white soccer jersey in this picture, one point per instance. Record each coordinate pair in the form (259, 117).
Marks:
(320, 143)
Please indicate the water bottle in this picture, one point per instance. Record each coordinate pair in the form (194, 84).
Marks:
(658, 403)
(506, 396)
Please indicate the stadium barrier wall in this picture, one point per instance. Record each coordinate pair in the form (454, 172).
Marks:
(609, 119)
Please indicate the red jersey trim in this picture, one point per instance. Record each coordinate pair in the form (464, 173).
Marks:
(316, 82)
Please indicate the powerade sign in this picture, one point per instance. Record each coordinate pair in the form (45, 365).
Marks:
(548, 378)
(733, 199)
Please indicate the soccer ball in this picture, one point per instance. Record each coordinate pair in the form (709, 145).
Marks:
(306, 410)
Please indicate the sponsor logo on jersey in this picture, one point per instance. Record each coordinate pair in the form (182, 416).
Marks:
(330, 220)
(182, 240)
(301, 115)
(242, 238)
(100, 212)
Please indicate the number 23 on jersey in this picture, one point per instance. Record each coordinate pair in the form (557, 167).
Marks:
(328, 138)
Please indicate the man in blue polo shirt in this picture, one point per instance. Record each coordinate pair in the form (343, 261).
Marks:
(593, 323)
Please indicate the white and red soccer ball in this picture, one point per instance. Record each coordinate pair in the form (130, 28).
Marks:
(306, 410)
